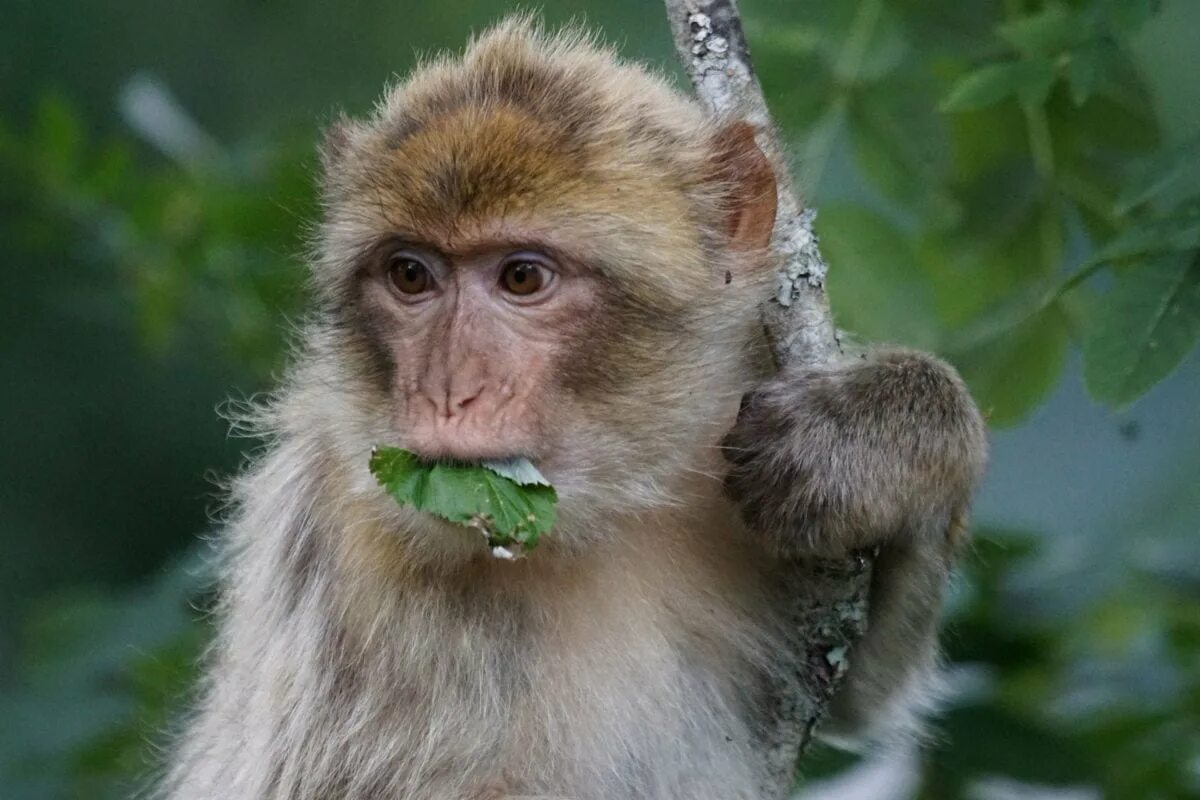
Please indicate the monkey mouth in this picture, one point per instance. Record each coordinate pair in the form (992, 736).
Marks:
(473, 461)
(466, 446)
(470, 457)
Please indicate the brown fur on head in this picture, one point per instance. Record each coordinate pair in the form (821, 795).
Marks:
(657, 218)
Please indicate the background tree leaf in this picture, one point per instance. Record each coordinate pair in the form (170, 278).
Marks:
(1158, 173)
(1177, 231)
(903, 147)
(1029, 79)
(59, 138)
(1053, 29)
(878, 291)
(1084, 70)
(1143, 328)
(1010, 375)
(1127, 16)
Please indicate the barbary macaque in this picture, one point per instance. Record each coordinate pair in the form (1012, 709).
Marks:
(537, 250)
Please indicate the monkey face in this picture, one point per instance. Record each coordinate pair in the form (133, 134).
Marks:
(609, 369)
(519, 260)
(474, 342)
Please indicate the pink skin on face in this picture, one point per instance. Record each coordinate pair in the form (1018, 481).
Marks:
(474, 340)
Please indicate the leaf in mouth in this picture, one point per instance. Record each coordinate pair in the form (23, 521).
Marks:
(509, 501)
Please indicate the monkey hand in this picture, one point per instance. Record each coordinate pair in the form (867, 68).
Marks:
(827, 460)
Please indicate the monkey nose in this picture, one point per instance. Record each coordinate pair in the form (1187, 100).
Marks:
(454, 398)
(453, 391)
(457, 401)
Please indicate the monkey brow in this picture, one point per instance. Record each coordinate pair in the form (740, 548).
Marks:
(485, 239)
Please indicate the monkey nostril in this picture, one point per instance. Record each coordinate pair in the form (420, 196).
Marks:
(465, 399)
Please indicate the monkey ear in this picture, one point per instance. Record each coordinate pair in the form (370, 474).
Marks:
(749, 181)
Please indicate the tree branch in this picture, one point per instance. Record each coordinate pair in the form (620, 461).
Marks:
(709, 39)
(830, 598)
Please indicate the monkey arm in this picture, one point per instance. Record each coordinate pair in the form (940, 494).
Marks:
(882, 452)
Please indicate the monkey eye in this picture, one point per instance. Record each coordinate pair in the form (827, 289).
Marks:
(408, 274)
(523, 275)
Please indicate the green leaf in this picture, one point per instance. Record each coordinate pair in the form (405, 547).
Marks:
(797, 104)
(1029, 79)
(1125, 17)
(1084, 69)
(875, 44)
(878, 290)
(993, 740)
(1052, 30)
(1178, 231)
(1124, 125)
(1009, 247)
(1143, 328)
(861, 42)
(510, 512)
(1160, 172)
(58, 136)
(975, 149)
(1011, 375)
(518, 470)
(903, 148)
(819, 144)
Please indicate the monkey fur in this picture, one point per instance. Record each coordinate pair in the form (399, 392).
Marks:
(365, 650)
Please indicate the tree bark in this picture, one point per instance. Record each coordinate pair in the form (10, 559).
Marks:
(830, 597)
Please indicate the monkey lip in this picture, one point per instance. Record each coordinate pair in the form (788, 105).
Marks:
(450, 454)
(465, 444)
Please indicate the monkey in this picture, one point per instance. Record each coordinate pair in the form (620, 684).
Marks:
(537, 249)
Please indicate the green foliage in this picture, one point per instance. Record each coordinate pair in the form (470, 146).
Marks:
(1011, 373)
(205, 250)
(1144, 327)
(1064, 698)
(882, 288)
(1038, 169)
(1160, 172)
(101, 679)
(1028, 80)
(511, 504)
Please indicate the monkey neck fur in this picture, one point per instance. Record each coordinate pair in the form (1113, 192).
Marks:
(386, 660)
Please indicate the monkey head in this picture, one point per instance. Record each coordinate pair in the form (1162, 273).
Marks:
(537, 251)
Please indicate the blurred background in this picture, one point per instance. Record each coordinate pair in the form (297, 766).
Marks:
(1014, 184)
